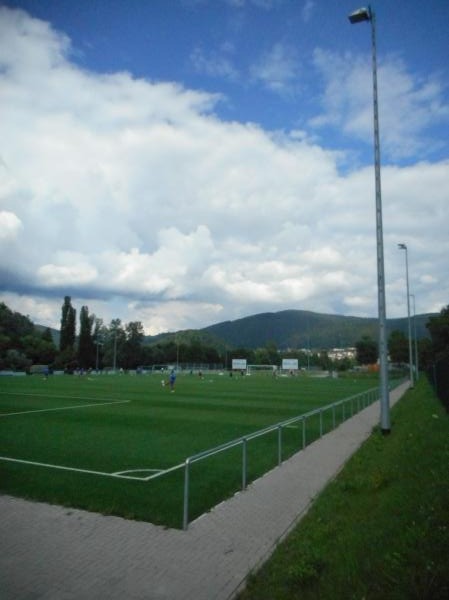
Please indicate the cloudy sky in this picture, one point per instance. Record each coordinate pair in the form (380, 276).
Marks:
(186, 162)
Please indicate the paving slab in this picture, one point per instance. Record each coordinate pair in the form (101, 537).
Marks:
(54, 553)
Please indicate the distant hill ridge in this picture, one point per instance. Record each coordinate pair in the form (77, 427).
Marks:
(294, 329)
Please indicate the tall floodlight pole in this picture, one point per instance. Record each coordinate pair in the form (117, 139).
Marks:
(366, 14)
(415, 339)
(410, 353)
(115, 351)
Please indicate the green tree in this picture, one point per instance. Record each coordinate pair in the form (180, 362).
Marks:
(439, 332)
(366, 351)
(170, 352)
(398, 347)
(114, 345)
(194, 351)
(5, 343)
(148, 355)
(99, 335)
(273, 354)
(211, 355)
(14, 326)
(324, 360)
(133, 346)
(68, 325)
(344, 364)
(242, 353)
(16, 360)
(262, 357)
(39, 350)
(425, 353)
(86, 346)
(48, 348)
(47, 335)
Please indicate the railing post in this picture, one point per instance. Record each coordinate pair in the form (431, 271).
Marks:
(244, 463)
(185, 516)
(279, 445)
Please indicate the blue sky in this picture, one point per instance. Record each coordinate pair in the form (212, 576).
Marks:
(260, 57)
(185, 162)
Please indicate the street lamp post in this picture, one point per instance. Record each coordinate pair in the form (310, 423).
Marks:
(415, 338)
(366, 14)
(410, 353)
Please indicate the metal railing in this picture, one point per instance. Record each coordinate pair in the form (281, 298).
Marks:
(348, 406)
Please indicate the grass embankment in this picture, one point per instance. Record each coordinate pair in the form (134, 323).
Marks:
(380, 530)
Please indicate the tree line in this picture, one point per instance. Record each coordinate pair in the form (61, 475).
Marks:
(122, 345)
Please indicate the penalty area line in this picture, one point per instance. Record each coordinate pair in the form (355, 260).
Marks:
(116, 475)
(40, 410)
(50, 466)
(155, 473)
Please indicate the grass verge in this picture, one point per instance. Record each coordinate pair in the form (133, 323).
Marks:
(381, 528)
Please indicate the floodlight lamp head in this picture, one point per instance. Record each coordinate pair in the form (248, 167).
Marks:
(402, 247)
(362, 14)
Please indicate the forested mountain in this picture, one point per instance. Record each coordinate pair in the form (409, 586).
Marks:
(96, 345)
(297, 329)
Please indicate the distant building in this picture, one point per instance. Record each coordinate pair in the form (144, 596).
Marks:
(341, 353)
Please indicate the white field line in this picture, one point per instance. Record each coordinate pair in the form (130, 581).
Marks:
(117, 475)
(50, 396)
(50, 466)
(138, 471)
(40, 410)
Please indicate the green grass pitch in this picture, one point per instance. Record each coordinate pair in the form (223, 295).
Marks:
(63, 439)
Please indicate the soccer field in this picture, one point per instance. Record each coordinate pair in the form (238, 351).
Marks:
(103, 443)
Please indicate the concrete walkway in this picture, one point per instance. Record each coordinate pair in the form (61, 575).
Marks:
(54, 553)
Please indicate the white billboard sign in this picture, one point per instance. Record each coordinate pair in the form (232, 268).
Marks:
(290, 364)
(239, 363)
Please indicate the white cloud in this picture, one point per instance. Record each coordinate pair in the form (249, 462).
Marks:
(10, 226)
(216, 63)
(135, 199)
(265, 4)
(277, 70)
(408, 104)
(173, 315)
(71, 267)
(307, 10)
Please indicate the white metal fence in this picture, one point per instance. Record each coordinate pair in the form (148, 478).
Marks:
(340, 411)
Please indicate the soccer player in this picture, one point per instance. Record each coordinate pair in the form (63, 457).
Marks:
(172, 380)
